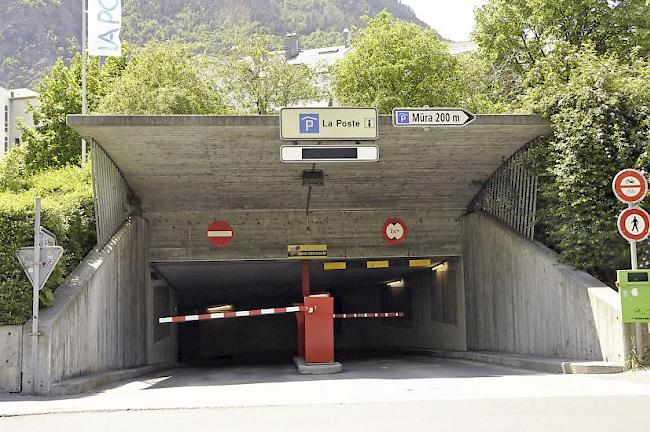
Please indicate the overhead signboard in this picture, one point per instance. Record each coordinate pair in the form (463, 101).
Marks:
(431, 117)
(634, 224)
(323, 124)
(219, 233)
(306, 251)
(50, 256)
(329, 153)
(634, 289)
(630, 186)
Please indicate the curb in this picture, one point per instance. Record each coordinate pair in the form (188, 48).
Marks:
(91, 382)
(542, 364)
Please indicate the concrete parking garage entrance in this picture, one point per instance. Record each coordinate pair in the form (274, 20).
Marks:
(181, 173)
(425, 295)
(160, 181)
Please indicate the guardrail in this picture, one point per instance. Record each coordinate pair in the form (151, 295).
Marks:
(510, 194)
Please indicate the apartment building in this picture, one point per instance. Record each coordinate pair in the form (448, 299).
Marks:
(14, 104)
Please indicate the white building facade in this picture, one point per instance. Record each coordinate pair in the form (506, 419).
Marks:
(14, 104)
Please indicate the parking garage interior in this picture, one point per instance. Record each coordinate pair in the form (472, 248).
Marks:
(428, 296)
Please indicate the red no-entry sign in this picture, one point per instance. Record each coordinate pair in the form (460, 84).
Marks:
(630, 186)
(219, 233)
(634, 224)
(395, 231)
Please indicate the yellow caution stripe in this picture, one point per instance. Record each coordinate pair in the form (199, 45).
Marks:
(377, 264)
(335, 265)
(420, 263)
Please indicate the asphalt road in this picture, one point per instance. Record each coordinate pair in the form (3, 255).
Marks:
(405, 393)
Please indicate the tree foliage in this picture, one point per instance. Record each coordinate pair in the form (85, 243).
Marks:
(67, 211)
(521, 32)
(600, 110)
(395, 63)
(257, 78)
(52, 143)
(162, 79)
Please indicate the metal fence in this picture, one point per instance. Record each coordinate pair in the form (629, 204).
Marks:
(510, 194)
(114, 201)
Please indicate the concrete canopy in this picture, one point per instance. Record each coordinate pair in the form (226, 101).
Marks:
(220, 166)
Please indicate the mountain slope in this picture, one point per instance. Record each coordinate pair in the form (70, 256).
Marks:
(35, 32)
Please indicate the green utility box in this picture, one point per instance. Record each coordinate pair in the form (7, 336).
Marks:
(634, 287)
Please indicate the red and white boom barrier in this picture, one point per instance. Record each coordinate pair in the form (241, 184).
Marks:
(370, 315)
(271, 311)
(237, 314)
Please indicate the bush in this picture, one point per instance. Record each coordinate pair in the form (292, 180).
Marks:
(68, 211)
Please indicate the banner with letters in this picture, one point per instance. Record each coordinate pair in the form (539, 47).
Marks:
(104, 25)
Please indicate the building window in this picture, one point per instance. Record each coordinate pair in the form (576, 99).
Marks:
(6, 118)
(17, 142)
(6, 144)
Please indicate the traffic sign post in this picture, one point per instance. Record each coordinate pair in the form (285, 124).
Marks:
(220, 233)
(431, 117)
(395, 231)
(36, 277)
(634, 225)
(38, 263)
(631, 186)
(49, 256)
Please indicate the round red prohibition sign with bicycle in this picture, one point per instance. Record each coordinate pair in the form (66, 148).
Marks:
(395, 231)
(630, 186)
(634, 224)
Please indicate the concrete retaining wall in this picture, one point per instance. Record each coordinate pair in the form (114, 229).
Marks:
(520, 299)
(98, 321)
(11, 345)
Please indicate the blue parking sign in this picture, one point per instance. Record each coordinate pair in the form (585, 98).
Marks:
(402, 117)
(309, 123)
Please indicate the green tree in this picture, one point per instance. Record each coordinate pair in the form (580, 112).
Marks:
(600, 110)
(257, 78)
(163, 79)
(521, 32)
(395, 63)
(52, 143)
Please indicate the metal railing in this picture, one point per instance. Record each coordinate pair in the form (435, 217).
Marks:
(510, 194)
(114, 201)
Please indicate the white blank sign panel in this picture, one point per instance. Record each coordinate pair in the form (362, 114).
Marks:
(322, 153)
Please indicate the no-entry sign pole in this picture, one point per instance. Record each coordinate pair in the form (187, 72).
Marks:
(631, 186)
(634, 265)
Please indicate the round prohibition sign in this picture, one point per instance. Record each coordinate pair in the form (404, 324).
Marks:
(634, 224)
(219, 233)
(630, 186)
(395, 231)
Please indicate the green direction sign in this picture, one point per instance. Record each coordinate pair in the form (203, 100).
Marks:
(634, 288)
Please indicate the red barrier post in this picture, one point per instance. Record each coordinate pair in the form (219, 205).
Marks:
(319, 330)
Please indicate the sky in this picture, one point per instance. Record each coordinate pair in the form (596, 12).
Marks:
(453, 19)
